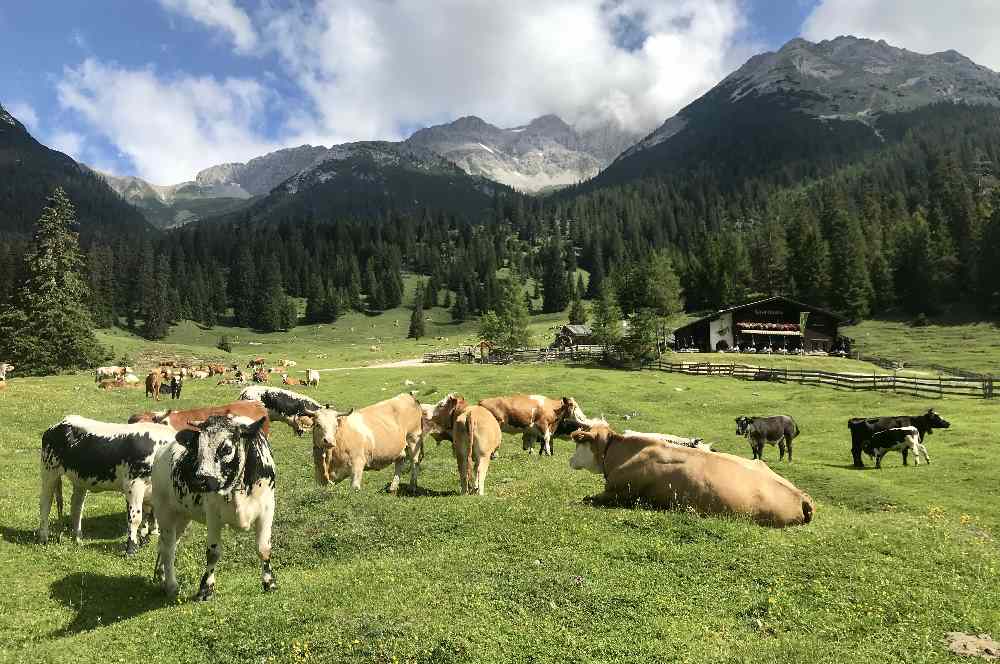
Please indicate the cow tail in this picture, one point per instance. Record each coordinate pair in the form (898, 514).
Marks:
(797, 429)
(469, 470)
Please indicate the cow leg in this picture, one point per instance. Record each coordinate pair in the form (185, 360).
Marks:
(781, 449)
(170, 531)
(51, 482)
(878, 458)
(856, 451)
(397, 472)
(133, 505)
(264, 549)
(149, 524)
(547, 443)
(76, 513)
(358, 470)
(416, 456)
(788, 444)
(212, 555)
(923, 450)
(462, 461)
(482, 467)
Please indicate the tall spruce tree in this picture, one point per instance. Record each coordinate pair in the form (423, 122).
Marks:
(417, 317)
(607, 318)
(48, 327)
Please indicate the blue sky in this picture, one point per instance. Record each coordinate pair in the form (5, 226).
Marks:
(163, 88)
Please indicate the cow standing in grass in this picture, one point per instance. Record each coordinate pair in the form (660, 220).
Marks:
(475, 436)
(285, 406)
(98, 457)
(222, 473)
(778, 430)
(153, 384)
(863, 428)
(536, 417)
(901, 439)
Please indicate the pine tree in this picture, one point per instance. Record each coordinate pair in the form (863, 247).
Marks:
(417, 317)
(596, 273)
(460, 311)
(48, 326)
(555, 281)
(989, 258)
(607, 318)
(577, 312)
(157, 304)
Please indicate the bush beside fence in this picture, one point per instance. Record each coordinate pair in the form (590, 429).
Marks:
(952, 385)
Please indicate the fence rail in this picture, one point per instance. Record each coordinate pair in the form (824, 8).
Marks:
(943, 385)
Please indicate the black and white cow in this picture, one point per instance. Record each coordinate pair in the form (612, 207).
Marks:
(220, 474)
(99, 456)
(176, 386)
(863, 428)
(779, 430)
(285, 406)
(899, 439)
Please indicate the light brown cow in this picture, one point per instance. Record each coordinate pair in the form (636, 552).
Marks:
(535, 416)
(475, 436)
(290, 380)
(216, 369)
(153, 381)
(186, 419)
(667, 476)
(371, 438)
(3, 385)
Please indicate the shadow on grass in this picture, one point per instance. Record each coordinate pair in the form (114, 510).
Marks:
(420, 492)
(105, 526)
(100, 600)
(847, 466)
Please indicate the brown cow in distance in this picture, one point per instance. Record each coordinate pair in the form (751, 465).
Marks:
(290, 380)
(189, 419)
(535, 416)
(640, 468)
(475, 436)
(216, 370)
(153, 381)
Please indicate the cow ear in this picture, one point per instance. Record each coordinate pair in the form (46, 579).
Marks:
(252, 430)
(187, 438)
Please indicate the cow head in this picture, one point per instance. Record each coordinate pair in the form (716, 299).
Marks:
(218, 446)
(326, 422)
(591, 446)
(935, 421)
(743, 425)
(303, 422)
(446, 410)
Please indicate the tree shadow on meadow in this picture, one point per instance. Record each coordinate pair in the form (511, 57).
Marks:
(99, 600)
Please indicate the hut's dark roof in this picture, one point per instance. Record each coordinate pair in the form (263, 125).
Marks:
(776, 298)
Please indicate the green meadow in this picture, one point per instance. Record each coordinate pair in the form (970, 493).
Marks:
(894, 559)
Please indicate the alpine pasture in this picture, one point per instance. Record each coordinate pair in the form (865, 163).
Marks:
(893, 560)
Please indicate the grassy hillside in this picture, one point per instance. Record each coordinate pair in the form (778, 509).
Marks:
(969, 346)
(894, 559)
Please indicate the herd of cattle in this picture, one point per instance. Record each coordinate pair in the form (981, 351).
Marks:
(214, 464)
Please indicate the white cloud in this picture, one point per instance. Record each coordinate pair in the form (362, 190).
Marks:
(170, 128)
(68, 142)
(25, 113)
(370, 68)
(925, 26)
(221, 14)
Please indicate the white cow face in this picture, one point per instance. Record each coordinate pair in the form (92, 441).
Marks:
(583, 459)
(218, 448)
(324, 428)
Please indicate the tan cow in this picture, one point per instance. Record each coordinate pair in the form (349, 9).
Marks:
(189, 419)
(667, 476)
(153, 381)
(535, 416)
(217, 369)
(290, 380)
(475, 436)
(371, 438)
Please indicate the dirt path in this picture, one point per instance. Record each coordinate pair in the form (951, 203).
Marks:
(399, 364)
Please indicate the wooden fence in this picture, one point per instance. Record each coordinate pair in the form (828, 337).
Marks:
(942, 386)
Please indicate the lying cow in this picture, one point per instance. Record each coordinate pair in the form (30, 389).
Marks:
(220, 473)
(475, 436)
(180, 420)
(779, 429)
(4, 370)
(290, 380)
(900, 439)
(285, 406)
(863, 428)
(106, 373)
(370, 438)
(98, 457)
(681, 441)
(536, 417)
(672, 477)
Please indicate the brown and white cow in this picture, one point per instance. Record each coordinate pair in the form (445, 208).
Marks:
(153, 382)
(112, 373)
(638, 468)
(4, 370)
(475, 436)
(535, 416)
(370, 438)
(187, 419)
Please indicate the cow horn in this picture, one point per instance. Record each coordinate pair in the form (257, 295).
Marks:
(345, 414)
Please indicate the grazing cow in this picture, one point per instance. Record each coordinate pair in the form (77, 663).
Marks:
(4, 370)
(475, 436)
(153, 382)
(292, 408)
(98, 457)
(216, 369)
(114, 373)
(863, 428)
(536, 417)
(312, 377)
(779, 429)
(188, 419)
(673, 477)
(198, 374)
(256, 363)
(371, 438)
(221, 473)
(681, 441)
(896, 440)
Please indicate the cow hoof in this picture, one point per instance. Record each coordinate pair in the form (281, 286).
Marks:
(204, 594)
(170, 590)
(131, 548)
(270, 586)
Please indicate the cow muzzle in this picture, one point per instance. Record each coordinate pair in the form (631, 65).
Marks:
(206, 483)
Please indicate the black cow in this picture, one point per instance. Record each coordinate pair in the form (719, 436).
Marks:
(863, 428)
(285, 406)
(99, 456)
(222, 473)
(779, 430)
(176, 385)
